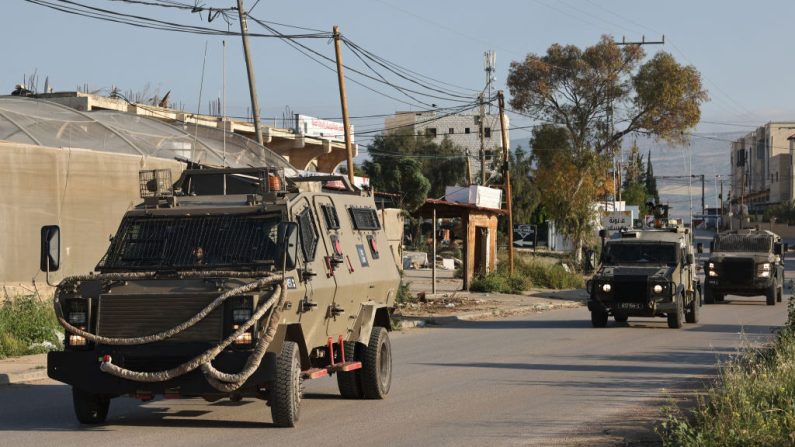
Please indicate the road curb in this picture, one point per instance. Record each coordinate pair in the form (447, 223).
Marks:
(31, 375)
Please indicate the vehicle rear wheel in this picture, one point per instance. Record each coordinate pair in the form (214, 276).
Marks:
(90, 408)
(598, 318)
(676, 318)
(691, 313)
(709, 296)
(621, 318)
(780, 295)
(376, 374)
(349, 382)
(772, 291)
(286, 390)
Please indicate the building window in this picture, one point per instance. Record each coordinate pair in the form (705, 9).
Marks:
(466, 130)
(487, 132)
(451, 131)
(431, 132)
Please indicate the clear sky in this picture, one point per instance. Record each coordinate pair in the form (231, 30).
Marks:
(743, 50)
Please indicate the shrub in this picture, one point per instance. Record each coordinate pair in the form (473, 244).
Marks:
(500, 281)
(751, 403)
(550, 276)
(25, 323)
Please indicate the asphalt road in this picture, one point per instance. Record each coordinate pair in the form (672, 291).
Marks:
(542, 379)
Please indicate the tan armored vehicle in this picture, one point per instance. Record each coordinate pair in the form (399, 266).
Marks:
(747, 263)
(231, 283)
(646, 273)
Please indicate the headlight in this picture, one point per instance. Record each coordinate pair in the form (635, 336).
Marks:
(78, 313)
(765, 274)
(606, 288)
(713, 273)
(712, 265)
(657, 288)
(766, 266)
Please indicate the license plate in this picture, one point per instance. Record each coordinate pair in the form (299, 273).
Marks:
(630, 306)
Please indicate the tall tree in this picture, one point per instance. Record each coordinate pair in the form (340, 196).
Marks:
(585, 91)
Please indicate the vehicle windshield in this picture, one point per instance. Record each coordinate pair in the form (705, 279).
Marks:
(193, 242)
(743, 243)
(640, 253)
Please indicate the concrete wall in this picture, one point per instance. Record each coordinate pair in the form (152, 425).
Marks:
(85, 192)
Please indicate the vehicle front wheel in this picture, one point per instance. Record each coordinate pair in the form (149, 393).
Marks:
(691, 313)
(676, 318)
(349, 382)
(90, 408)
(772, 291)
(286, 390)
(780, 294)
(598, 318)
(376, 374)
(709, 296)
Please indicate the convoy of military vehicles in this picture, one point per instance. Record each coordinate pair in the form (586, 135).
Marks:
(241, 283)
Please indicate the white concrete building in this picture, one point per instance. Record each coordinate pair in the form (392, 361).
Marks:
(461, 130)
(761, 165)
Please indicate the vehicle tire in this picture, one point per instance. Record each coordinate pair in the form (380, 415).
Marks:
(771, 293)
(90, 408)
(621, 318)
(780, 294)
(709, 296)
(286, 390)
(349, 382)
(691, 313)
(598, 318)
(376, 373)
(676, 318)
(720, 298)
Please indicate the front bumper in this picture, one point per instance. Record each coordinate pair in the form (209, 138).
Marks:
(81, 370)
(757, 286)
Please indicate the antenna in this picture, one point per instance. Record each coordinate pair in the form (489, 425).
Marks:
(490, 66)
(223, 103)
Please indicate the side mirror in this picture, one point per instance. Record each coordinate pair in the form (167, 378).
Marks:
(288, 250)
(689, 258)
(50, 248)
(700, 247)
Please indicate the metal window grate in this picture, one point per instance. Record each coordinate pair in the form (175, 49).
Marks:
(365, 219)
(146, 242)
(330, 214)
(743, 243)
(155, 183)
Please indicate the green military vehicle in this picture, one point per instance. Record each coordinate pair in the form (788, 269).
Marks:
(646, 273)
(747, 263)
(230, 283)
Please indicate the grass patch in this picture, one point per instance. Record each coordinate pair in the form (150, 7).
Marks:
(528, 273)
(27, 326)
(751, 403)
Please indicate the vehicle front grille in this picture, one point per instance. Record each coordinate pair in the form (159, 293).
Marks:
(740, 270)
(630, 288)
(141, 315)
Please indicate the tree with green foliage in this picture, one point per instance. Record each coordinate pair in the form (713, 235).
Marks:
(584, 92)
(634, 185)
(651, 183)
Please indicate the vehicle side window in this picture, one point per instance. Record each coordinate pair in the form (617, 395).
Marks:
(365, 219)
(308, 233)
(331, 217)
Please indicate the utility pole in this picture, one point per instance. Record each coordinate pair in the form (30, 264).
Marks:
(703, 205)
(252, 82)
(482, 141)
(506, 178)
(346, 122)
(469, 169)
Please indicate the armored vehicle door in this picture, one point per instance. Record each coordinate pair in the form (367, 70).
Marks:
(336, 238)
(319, 286)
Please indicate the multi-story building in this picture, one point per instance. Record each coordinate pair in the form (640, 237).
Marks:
(462, 130)
(761, 166)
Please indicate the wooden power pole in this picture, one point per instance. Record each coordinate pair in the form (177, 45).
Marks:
(344, 101)
(252, 83)
(506, 177)
(481, 118)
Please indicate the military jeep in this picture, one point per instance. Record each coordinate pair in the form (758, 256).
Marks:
(230, 283)
(646, 273)
(747, 263)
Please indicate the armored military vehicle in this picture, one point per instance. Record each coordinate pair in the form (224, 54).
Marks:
(230, 283)
(646, 273)
(747, 263)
